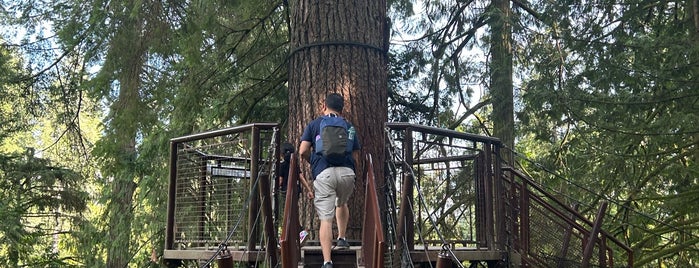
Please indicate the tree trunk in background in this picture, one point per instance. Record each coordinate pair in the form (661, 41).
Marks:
(501, 76)
(694, 6)
(340, 46)
(128, 50)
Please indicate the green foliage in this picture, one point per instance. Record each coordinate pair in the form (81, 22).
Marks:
(612, 103)
(37, 197)
(606, 106)
(435, 67)
(12, 119)
(199, 72)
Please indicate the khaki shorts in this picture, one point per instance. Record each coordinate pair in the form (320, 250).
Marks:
(333, 187)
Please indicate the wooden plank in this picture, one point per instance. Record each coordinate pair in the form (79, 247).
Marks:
(238, 256)
(462, 255)
(345, 258)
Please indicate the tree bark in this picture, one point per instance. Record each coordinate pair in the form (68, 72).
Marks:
(695, 16)
(128, 50)
(340, 46)
(501, 76)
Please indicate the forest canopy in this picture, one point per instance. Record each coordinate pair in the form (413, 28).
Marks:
(603, 106)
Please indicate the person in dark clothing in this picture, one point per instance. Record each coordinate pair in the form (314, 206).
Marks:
(286, 150)
(333, 181)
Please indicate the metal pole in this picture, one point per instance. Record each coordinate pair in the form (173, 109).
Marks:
(590, 244)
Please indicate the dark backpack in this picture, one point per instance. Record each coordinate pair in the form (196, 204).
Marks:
(335, 140)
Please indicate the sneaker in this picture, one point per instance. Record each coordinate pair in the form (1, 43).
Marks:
(302, 236)
(327, 265)
(342, 244)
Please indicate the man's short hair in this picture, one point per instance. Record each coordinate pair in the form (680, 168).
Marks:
(335, 102)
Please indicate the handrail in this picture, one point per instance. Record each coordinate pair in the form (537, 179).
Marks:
(373, 239)
(289, 240)
(223, 131)
(486, 220)
(207, 146)
(443, 132)
(530, 183)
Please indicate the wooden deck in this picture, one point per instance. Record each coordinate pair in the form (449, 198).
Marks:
(204, 254)
(462, 253)
(312, 255)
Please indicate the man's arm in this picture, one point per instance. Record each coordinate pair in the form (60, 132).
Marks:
(307, 186)
(356, 156)
(305, 150)
(305, 153)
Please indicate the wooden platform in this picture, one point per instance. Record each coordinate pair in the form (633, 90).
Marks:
(312, 257)
(352, 257)
(461, 253)
(200, 254)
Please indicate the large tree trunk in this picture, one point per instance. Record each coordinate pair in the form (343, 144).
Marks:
(501, 76)
(340, 46)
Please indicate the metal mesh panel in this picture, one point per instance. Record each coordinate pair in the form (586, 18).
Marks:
(478, 200)
(548, 239)
(213, 188)
(552, 235)
(213, 181)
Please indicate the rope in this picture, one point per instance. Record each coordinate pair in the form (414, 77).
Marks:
(338, 43)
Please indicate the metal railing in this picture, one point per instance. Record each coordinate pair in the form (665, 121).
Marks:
(548, 233)
(289, 240)
(448, 195)
(453, 189)
(373, 240)
(217, 195)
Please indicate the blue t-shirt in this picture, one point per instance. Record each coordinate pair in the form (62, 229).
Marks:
(318, 163)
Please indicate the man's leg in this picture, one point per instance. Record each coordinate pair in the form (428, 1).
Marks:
(344, 189)
(326, 238)
(342, 216)
(324, 201)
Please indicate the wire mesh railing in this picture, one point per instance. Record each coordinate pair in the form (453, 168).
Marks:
(548, 233)
(215, 198)
(452, 189)
(439, 183)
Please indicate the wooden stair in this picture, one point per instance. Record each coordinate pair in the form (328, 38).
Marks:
(312, 256)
